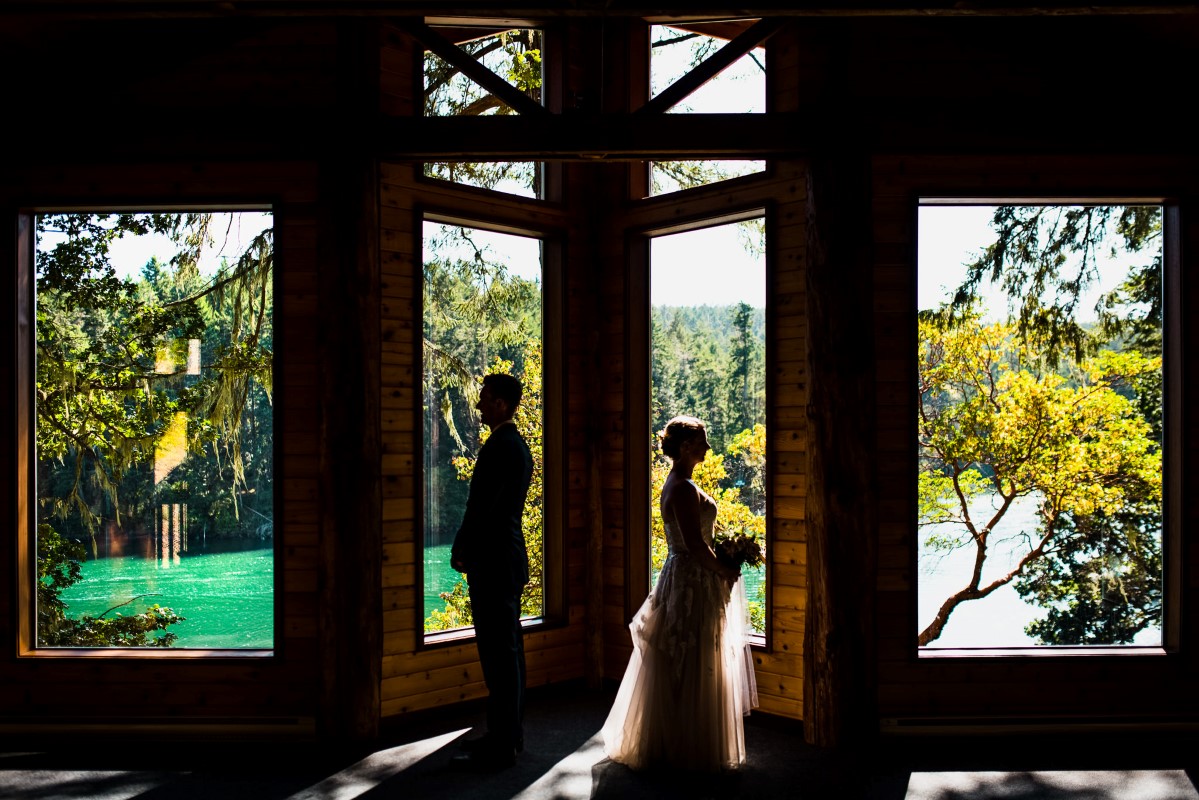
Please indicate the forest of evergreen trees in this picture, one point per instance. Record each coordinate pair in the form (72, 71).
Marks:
(479, 317)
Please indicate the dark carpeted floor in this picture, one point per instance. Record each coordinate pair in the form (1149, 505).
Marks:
(563, 758)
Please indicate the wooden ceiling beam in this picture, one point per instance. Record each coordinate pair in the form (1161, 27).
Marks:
(713, 65)
(517, 100)
(638, 137)
(695, 11)
(593, 136)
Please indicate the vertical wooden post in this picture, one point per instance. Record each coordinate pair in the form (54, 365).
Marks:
(350, 568)
(838, 683)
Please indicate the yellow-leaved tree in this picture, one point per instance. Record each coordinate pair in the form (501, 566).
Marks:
(997, 425)
(733, 514)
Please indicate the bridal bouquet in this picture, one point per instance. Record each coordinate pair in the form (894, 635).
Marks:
(737, 550)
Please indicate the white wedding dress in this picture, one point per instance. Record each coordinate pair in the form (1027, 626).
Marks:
(690, 681)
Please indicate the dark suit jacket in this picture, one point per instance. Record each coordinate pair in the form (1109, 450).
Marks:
(490, 542)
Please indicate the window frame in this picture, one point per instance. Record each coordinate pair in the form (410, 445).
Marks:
(26, 450)
(641, 183)
(1172, 431)
(551, 188)
(555, 609)
(638, 357)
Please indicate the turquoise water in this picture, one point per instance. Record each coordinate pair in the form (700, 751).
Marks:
(228, 599)
(440, 577)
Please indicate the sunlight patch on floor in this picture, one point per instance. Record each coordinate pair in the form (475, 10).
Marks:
(1089, 784)
(376, 768)
(570, 777)
(92, 784)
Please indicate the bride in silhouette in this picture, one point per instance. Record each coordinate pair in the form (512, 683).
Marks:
(690, 679)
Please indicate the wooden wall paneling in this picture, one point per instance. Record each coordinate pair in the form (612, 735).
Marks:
(553, 654)
(586, 254)
(400, 83)
(351, 574)
(779, 668)
(782, 192)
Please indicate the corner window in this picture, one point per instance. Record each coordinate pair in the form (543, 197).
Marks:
(1044, 438)
(152, 464)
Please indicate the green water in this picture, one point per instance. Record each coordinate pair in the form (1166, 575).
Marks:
(440, 577)
(227, 598)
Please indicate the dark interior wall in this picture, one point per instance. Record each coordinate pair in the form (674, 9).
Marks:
(989, 84)
(124, 113)
(244, 109)
(900, 108)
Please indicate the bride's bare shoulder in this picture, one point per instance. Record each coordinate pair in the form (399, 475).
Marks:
(679, 490)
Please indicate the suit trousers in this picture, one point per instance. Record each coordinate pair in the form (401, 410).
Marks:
(498, 636)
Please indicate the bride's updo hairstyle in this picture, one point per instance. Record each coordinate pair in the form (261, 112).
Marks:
(678, 432)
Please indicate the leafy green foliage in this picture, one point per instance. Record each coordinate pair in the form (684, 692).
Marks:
(992, 422)
(1092, 423)
(57, 569)
(1045, 259)
(478, 318)
(530, 422)
(118, 409)
(514, 55)
(710, 361)
(1101, 583)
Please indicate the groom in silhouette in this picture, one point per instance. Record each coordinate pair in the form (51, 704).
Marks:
(490, 550)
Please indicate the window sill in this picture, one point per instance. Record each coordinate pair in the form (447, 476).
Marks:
(1046, 651)
(181, 653)
(460, 635)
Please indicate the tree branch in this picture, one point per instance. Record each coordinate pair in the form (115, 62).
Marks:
(130, 600)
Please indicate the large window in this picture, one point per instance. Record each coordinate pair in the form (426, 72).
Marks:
(153, 430)
(1042, 425)
(482, 313)
(707, 339)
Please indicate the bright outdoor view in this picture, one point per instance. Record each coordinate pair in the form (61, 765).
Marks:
(1040, 425)
(515, 56)
(708, 343)
(739, 89)
(154, 430)
(482, 313)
